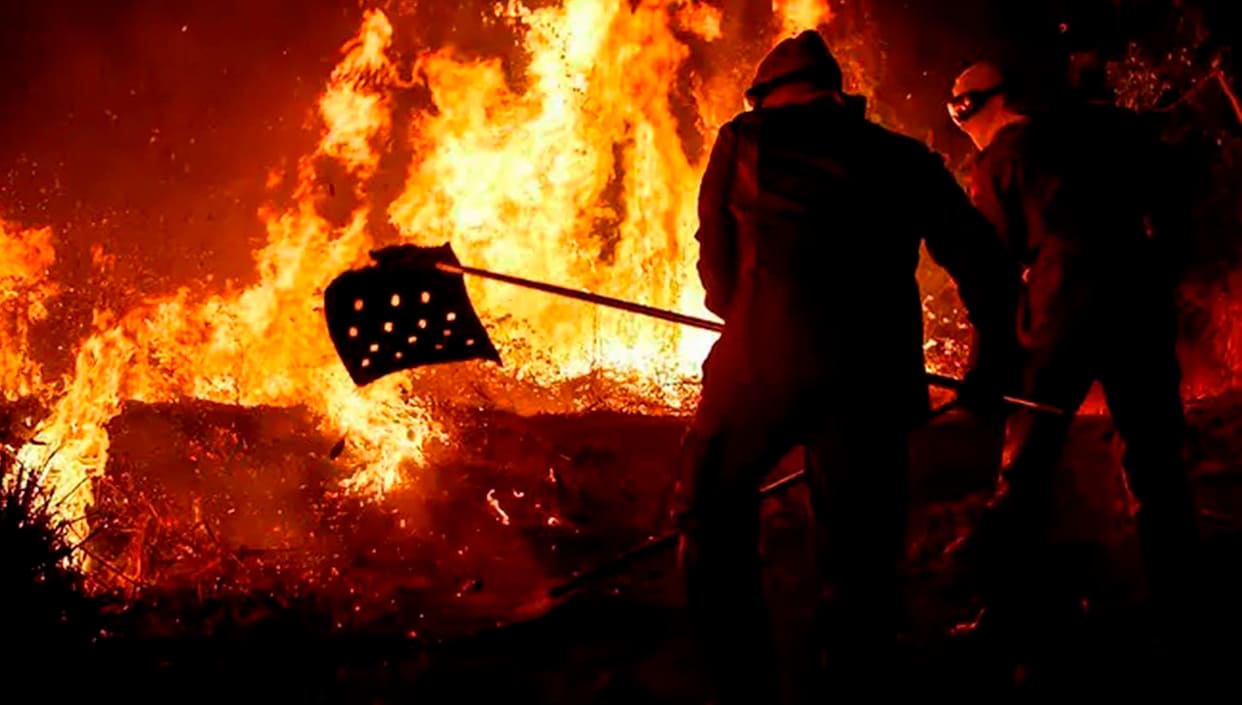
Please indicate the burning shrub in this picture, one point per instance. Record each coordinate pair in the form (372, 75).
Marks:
(47, 605)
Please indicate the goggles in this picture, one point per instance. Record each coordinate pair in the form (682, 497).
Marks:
(964, 106)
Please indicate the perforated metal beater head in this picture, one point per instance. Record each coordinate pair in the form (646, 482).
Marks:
(402, 312)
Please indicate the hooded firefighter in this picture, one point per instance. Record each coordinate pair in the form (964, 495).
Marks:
(811, 220)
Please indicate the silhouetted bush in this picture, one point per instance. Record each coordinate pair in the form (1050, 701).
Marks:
(47, 619)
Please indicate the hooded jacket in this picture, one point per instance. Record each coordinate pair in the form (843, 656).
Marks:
(811, 221)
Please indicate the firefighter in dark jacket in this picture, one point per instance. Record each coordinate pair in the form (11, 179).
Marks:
(1080, 195)
(811, 219)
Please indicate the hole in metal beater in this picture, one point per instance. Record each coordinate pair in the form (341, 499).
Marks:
(374, 347)
(412, 339)
(398, 355)
(357, 304)
(447, 332)
(388, 326)
(439, 346)
(451, 317)
(396, 300)
(469, 341)
(353, 332)
(366, 362)
(422, 323)
(426, 297)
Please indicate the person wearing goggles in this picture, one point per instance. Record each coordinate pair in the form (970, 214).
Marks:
(1079, 193)
(979, 105)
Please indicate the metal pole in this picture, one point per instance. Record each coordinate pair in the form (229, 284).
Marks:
(933, 379)
(655, 545)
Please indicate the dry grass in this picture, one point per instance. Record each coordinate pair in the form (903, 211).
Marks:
(46, 606)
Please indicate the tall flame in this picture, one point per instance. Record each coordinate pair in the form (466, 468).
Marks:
(578, 177)
(261, 345)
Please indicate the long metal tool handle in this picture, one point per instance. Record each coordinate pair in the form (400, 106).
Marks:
(653, 312)
(654, 545)
(665, 541)
(933, 379)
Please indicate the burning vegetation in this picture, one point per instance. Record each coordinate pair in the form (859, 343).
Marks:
(572, 171)
(207, 441)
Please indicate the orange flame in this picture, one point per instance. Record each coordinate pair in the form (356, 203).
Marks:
(520, 182)
(262, 345)
(25, 287)
(701, 19)
(578, 178)
(799, 15)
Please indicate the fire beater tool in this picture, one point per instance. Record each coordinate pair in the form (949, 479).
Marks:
(410, 309)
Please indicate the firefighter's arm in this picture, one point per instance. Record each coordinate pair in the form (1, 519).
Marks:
(717, 233)
(967, 244)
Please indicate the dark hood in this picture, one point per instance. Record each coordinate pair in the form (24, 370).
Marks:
(804, 58)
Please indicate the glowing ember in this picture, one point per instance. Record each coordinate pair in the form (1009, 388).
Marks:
(495, 505)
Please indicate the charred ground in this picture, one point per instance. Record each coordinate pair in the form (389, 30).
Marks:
(418, 620)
